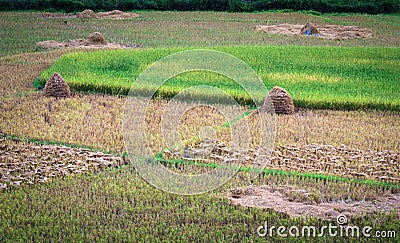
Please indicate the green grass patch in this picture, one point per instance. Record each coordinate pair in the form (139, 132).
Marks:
(185, 29)
(317, 77)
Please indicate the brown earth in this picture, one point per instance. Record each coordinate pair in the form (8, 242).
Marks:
(331, 32)
(305, 205)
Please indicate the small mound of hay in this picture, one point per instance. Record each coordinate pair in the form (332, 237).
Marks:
(117, 14)
(310, 28)
(56, 87)
(236, 192)
(282, 101)
(110, 13)
(97, 38)
(87, 14)
(330, 32)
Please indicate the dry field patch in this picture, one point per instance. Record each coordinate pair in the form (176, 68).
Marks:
(296, 202)
(78, 119)
(27, 164)
(90, 14)
(314, 158)
(330, 32)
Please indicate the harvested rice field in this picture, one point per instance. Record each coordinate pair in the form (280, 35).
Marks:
(67, 173)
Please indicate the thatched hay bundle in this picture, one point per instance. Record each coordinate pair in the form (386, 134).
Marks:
(87, 14)
(97, 38)
(311, 28)
(56, 87)
(283, 103)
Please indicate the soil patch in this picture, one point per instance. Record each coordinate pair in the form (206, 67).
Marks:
(277, 198)
(331, 32)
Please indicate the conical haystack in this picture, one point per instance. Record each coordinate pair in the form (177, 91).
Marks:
(311, 29)
(282, 101)
(97, 38)
(56, 87)
(87, 14)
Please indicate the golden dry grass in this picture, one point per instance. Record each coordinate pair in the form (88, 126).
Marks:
(357, 129)
(96, 120)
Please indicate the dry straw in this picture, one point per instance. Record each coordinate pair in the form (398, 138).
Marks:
(282, 101)
(87, 14)
(311, 28)
(97, 38)
(56, 87)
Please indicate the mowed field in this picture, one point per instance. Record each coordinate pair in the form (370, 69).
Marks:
(347, 153)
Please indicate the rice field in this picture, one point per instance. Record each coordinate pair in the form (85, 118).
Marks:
(65, 174)
(186, 29)
(117, 204)
(316, 77)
